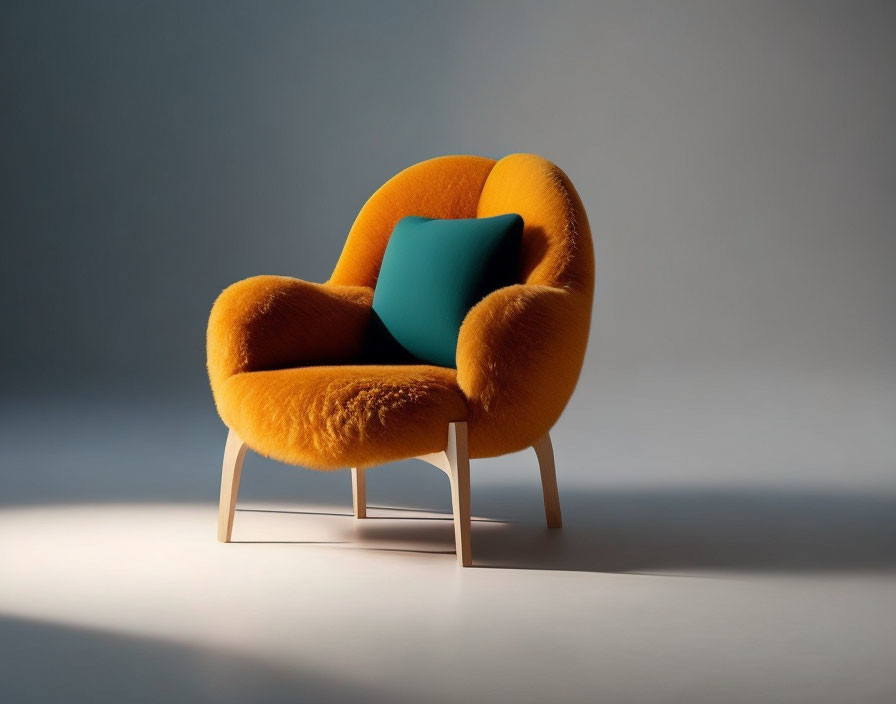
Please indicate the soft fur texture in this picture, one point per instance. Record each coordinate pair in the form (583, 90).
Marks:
(521, 349)
(518, 359)
(271, 322)
(519, 353)
(447, 187)
(343, 416)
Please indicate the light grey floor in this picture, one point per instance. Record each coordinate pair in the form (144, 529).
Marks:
(762, 587)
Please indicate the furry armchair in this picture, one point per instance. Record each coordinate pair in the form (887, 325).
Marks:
(285, 356)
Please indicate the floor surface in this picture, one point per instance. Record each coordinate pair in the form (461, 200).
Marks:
(113, 587)
(139, 603)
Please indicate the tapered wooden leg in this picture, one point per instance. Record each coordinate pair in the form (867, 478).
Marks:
(458, 457)
(359, 492)
(234, 454)
(544, 450)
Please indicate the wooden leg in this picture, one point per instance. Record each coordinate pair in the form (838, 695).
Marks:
(459, 473)
(234, 454)
(545, 453)
(359, 492)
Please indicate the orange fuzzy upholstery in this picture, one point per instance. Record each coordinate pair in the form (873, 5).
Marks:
(518, 356)
(519, 353)
(343, 416)
(270, 322)
(447, 187)
(557, 249)
(521, 349)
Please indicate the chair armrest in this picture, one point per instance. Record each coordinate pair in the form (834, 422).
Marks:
(272, 322)
(519, 355)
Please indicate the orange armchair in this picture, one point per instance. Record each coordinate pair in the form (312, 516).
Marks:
(285, 357)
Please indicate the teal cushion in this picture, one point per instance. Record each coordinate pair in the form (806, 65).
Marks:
(432, 273)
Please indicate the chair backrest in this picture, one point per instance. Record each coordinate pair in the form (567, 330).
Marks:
(517, 387)
(557, 247)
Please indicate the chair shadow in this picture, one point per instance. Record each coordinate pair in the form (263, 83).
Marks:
(447, 517)
(287, 542)
(669, 531)
(297, 513)
(97, 665)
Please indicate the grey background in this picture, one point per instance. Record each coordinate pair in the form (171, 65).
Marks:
(738, 164)
(737, 161)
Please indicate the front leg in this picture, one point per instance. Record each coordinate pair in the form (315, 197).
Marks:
(458, 457)
(234, 454)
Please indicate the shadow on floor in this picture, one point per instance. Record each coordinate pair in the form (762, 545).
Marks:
(606, 529)
(52, 663)
(612, 530)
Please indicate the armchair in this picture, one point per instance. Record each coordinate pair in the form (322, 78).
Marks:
(286, 360)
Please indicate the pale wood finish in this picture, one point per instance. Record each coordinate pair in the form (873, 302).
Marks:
(234, 454)
(454, 461)
(439, 460)
(544, 450)
(359, 492)
(457, 454)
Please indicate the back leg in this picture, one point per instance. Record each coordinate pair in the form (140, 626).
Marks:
(544, 450)
(359, 492)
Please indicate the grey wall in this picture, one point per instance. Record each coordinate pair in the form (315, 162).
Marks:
(737, 160)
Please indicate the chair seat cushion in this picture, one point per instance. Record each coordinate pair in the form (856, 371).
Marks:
(330, 417)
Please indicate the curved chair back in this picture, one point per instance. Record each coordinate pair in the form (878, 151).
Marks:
(557, 253)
